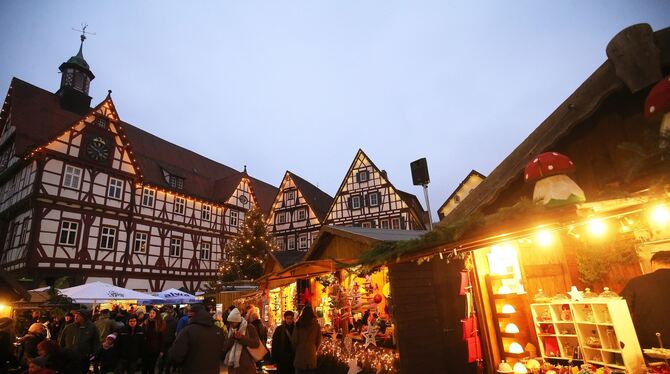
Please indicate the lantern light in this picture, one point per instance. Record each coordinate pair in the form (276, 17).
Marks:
(597, 227)
(519, 368)
(511, 328)
(659, 216)
(515, 348)
(508, 309)
(544, 238)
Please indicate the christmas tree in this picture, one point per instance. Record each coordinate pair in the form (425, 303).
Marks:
(245, 255)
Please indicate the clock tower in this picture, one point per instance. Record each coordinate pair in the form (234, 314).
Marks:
(75, 80)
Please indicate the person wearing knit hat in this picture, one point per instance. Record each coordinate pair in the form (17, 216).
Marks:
(241, 335)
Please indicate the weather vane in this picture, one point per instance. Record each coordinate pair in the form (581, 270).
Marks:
(83, 31)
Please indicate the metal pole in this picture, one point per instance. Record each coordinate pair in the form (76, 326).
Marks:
(430, 215)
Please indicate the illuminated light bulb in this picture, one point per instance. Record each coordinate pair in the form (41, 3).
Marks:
(508, 309)
(504, 290)
(519, 368)
(515, 348)
(597, 227)
(544, 238)
(511, 328)
(659, 216)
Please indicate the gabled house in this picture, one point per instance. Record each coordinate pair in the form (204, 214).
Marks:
(366, 198)
(84, 194)
(472, 180)
(297, 213)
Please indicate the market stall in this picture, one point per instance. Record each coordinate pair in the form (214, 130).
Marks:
(105, 295)
(551, 237)
(353, 304)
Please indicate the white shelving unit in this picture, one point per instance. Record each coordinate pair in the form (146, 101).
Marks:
(601, 329)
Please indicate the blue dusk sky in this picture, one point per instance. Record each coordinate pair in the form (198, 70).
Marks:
(301, 85)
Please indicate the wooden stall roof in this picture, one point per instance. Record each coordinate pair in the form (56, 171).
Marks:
(344, 242)
(605, 81)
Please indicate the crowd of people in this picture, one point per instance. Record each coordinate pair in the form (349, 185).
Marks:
(163, 340)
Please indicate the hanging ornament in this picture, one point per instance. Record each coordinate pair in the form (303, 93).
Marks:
(552, 186)
(378, 298)
(465, 283)
(657, 105)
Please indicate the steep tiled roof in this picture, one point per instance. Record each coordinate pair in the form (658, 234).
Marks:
(318, 200)
(38, 118)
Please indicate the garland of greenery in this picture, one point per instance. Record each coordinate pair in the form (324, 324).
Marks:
(384, 252)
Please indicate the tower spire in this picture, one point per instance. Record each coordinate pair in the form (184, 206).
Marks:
(76, 77)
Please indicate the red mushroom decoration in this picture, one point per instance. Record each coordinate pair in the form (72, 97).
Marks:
(552, 186)
(657, 105)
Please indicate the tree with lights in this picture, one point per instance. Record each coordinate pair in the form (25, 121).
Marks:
(246, 254)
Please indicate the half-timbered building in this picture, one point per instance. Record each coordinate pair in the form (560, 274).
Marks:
(297, 213)
(472, 180)
(366, 198)
(88, 196)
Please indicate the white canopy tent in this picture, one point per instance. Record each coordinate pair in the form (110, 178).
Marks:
(99, 292)
(175, 296)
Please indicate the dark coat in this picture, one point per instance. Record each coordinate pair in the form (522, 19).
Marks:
(154, 338)
(130, 342)
(282, 349)
(170, 332)
(198, 346)
(107, 358)
(306, 339)
(29, 344)
(648, 298)
(262, 330)
(247, 363)
(83, 339)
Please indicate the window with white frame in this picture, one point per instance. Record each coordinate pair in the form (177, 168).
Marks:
(290, 243)
(68, 233)
(206, 212)
(281, 217)
(233, 219)
(179, 205)
(302, 214)
(148, 196)
(175, 247)
(107, 237)
(356, 202)
(384, 223)
(302, 242)
(373, 199)
(72, 177)
(115, 188)
(141, 242)
(204, 251)
(16, 235)
(363, 176)
(279, 242)
(395, 223)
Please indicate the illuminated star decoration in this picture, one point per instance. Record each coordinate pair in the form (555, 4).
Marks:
(369, 336)
(353, 367)
(575, 294)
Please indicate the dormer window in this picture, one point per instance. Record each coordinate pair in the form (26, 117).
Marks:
(173, 180)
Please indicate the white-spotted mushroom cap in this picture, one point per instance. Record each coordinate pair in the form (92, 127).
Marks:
(547, 164)
(658, 100)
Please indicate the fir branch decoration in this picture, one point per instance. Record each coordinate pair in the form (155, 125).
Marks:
(383, 252)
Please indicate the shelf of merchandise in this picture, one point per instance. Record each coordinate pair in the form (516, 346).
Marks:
(601, 329)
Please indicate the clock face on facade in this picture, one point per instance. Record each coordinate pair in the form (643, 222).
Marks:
(98, 149)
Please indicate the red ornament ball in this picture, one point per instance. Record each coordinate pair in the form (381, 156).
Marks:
(378, 299)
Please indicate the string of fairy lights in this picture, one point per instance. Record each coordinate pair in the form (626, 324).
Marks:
(379, 360)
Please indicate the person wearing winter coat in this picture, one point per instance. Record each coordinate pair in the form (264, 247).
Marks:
(106, 325)
(198, 346)
(241, 335)
(81, 337)
(36, 334)
(154, 333)
(6, 348)
(129, 343)
(282, 349)
(169, 337)
(107, 357)
(306, 338)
